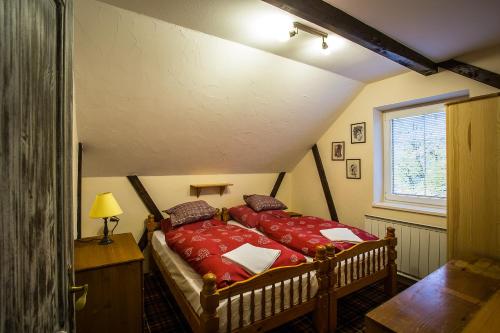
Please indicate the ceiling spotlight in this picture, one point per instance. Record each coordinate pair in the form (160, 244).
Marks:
(313, 31)
(324, 45)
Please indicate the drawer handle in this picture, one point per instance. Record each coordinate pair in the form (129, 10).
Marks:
(82, 300)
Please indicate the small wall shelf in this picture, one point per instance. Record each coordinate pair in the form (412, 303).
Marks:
(198, 187)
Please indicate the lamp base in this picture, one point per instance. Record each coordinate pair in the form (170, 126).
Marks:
(105, 241)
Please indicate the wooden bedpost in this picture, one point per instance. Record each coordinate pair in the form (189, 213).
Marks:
(218, 214)
(321, 311)
(391, 281)
(330, 250)
(225, 214)
(332, 280)
(151, 226)
(209, 299)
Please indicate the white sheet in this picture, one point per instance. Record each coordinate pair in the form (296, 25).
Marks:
(236, 223)
(253, 259)
(341, 234)
(191, 283)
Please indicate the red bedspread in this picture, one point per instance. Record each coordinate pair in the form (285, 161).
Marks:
(202, 244)
(303, 233)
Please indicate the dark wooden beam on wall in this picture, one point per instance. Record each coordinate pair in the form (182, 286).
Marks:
(277, 185)
(324, 183)
(472, 72)
(79, 193)
(333, 19)
(148, 202)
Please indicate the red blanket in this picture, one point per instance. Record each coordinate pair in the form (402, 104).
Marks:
(303, 233)
(202, 244)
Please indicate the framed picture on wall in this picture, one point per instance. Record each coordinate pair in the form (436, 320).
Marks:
(338, 151)
(358, 133)
(353, 168)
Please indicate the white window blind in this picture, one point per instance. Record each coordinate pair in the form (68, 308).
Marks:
(415, 142)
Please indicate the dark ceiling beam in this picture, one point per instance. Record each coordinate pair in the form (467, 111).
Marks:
(472, 72)
(277, 184)
(341, 23)
(149, 203)
(324, 183)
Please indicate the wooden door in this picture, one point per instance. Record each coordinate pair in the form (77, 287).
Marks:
(473, 149)
(35, 162)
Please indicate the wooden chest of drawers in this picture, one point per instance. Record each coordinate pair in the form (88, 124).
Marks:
(114, 275)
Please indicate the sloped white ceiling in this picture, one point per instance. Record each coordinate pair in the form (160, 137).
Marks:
(154, 98)
(251, 22)
(438, 29)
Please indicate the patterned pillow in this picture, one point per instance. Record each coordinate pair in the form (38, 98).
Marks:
(263, 202)
(189, 212)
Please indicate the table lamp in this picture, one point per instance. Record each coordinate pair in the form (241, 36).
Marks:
(105, 206)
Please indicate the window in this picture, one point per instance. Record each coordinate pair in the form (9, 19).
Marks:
(415, 155)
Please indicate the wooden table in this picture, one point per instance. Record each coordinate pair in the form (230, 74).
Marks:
(459, 297)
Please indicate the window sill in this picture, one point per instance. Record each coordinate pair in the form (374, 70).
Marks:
(435, 211)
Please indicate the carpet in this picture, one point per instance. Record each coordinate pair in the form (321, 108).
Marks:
(162, 314)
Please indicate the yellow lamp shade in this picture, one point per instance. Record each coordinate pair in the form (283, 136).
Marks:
(105, 205)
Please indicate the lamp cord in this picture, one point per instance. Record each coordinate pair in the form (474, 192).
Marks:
(116, 220)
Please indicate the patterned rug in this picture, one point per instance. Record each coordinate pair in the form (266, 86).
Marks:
(161, 313)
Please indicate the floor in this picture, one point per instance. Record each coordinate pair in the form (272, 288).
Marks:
(163, 315)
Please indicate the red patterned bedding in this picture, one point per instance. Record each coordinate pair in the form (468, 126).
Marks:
(202, 244)
(303, 233)
(250, 218)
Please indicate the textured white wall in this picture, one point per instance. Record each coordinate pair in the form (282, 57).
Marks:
(155, 98)
(167, 191)
(353, 198)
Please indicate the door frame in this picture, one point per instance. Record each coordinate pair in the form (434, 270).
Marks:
(65, 146)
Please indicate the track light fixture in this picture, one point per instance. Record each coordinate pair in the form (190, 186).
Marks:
(300, 26)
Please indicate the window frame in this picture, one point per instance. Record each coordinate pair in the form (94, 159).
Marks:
(388, 196)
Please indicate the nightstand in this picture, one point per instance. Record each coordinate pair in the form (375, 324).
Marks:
(114, 275)
(294, 214)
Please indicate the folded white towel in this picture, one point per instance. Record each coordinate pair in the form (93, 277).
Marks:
(252, 258)
(341, 234)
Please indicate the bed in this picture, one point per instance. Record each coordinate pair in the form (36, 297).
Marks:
(353, 267)
(258, 304)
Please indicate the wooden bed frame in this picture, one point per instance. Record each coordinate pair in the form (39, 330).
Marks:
(332, 285)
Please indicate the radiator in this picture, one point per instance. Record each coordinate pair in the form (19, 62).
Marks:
(421, 249)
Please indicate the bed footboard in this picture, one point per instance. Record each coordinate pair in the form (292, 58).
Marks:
(270, 287)
(360, 266)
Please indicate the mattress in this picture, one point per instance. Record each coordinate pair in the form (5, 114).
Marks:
(191, 284)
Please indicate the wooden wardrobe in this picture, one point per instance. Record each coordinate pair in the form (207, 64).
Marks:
(473, 171)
